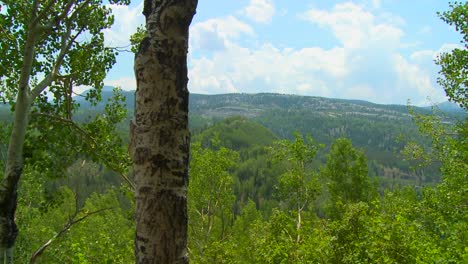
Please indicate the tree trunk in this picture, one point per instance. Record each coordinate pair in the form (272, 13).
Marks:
(160, 138)
(13, 170)
(14, 164)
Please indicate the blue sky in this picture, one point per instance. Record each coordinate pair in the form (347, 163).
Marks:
(376, 50)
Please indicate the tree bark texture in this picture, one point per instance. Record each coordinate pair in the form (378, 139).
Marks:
(13, 170)
(160, 137)
(14, 163)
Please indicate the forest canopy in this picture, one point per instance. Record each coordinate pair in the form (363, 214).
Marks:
(273, 179)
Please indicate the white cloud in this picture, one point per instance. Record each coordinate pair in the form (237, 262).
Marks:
(216, 33)
(127, 19)
(419, 73)
(448, 47)
(226, 56)
(260, 11)
(331, 62)
(355, 27)
(424, 56)
(376, 3)
(315, 87)
(411, 76)
(361, 92)
(391, 19)
(361, 67)
(267, 68)
(366, 63)
(125, 83)
(204, 78)
(79, 89)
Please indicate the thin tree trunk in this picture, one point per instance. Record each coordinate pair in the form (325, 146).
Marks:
(159, 133)
(299, 224)
(14, 164)
(13, 170)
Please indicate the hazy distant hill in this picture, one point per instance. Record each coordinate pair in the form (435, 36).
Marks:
(106, 94)
(253, 105)
(250, 105)
(449, 107)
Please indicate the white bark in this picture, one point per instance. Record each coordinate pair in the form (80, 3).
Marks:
(14, 163)
(159, 133)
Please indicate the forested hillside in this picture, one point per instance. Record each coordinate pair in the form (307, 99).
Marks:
(381, 130)
(246, 174)
(260, 178)
(244, 121)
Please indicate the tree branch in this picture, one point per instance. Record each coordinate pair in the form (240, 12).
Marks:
(35, 7)
(78, 9)
(55, 21)
(58, 63)
(66, 227)
(86, 135)
(68, 122)
(44, 12)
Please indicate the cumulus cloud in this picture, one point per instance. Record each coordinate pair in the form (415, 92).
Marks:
(428, 56)
(422, 54)
(125, 83)
(372, 44)
(410, 75)
(355, 27)
(260, 11)
(448, 47)
(216, 33)
(268, 69)
(365, 63)
(360, 91)
(376, 3)
(420, 71)
(77, 89)
(127, 19)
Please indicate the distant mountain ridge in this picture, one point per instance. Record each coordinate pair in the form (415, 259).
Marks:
(245, 101)
(448, 107)
(252, 105)
(249, 105)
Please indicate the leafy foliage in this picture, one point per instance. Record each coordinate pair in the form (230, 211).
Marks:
(298, 186)
(454, 65)
(235, 213)
(211, 199)
(347, 177)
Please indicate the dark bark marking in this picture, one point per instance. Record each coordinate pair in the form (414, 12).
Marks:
(145, 189)
(7, 215)
(148, 8)
(141, 155)
(145, 44)
(160, 162)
